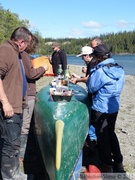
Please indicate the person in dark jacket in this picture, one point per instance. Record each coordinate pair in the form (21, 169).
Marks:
(12, 83)
(58, 57)
(106, 83)
(32, 75)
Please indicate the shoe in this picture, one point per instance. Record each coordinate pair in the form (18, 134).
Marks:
(118, 167)
(104, 168)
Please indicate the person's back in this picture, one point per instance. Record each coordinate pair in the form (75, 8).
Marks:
(108, 89)
(105, 84)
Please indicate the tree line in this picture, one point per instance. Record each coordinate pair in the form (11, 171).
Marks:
(121, 42)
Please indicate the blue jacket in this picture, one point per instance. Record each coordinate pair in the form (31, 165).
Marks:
(106, 83)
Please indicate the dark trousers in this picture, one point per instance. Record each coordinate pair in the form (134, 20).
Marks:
(107, 141)
(10, 130)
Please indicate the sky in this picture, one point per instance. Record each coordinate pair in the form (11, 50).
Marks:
(75, 18)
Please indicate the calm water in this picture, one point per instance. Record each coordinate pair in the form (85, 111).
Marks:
(126, 61)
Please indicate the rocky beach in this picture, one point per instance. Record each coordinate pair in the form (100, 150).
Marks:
(125, 124)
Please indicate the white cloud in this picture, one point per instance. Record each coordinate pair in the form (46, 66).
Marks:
(123, 24)
(77, 33)
(92, 24)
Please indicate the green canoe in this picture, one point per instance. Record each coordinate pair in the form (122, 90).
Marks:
(61, 128)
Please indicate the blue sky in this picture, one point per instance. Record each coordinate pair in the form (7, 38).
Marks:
(75, 18)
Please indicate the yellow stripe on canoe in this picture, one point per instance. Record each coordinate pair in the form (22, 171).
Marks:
(59, 127)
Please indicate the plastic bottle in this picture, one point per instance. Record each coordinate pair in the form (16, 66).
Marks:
(66, 75)
(59, 70)
(59, 75)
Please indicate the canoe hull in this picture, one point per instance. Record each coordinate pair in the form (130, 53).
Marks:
(75, 117)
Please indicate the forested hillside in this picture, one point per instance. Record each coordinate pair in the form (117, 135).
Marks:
(122, 42)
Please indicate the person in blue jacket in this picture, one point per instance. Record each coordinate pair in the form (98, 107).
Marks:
(106, 83)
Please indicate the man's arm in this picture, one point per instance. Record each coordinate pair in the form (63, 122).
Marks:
(7, 108)
(31, 72)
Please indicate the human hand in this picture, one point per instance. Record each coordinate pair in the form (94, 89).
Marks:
(8, 110)
(73, 80)
(73, 75)
(46, 67)
(84, 69)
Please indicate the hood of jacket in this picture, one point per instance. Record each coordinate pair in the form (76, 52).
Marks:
(110, 68)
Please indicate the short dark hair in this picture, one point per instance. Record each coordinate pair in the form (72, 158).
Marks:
(20, 33)
(101, 51)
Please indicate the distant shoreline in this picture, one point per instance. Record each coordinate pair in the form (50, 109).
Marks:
(112, 53)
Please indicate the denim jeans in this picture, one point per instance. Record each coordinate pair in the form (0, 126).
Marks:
(10, 130)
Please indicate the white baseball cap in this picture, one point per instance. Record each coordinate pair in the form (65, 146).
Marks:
(85, 50)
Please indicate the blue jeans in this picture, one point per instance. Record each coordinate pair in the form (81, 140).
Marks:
(10, 130)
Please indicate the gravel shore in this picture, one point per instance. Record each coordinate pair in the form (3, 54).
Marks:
(125, 124)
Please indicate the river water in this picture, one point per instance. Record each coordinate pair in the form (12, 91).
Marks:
(126, 61)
